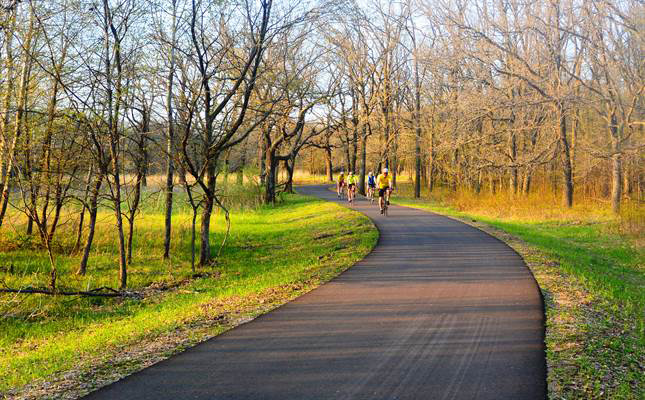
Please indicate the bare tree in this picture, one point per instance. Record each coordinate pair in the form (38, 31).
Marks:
(140, 114)
(10, 141)
(169, 45)
(615, 47)
(226, 71)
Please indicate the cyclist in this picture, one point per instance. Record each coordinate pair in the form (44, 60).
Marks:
(371, 185)
(384, 188)
(341, 184)
(352, 180)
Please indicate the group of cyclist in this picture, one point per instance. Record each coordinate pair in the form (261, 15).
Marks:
(383, 183)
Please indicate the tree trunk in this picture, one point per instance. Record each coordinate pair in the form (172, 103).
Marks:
(491, 183)
(616, 182)
(575, 128)
(628, 188)
(478, 182)
(514, 183)
(57, 210)
(363, 171)
(53, 272)
(431, 159)
(205, 250)
(240, 168)
(32, 181)
(79, 231)
(45, 166)
(417, 161)
(5, 173)
(170, 129)
(271, 168)
(144, 178)
(431, 175)
(386, 135)
(526, 187)
(193, 231)
(417, 119)
(133, 212)
(454, 182)
(262, 150)
(290, 165)
(114, 97)
(352, 166)
(18, 125)
(130, 236)
(566, 158)
(123, 271)
(227, 167)
(554, 178)
(616, 164)
(30, 225)
(170, 171)
(328, 165)
(395, 160)
(93, 210)
(348, 157)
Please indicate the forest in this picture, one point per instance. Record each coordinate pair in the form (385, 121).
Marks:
(150, 151)
(506, 95)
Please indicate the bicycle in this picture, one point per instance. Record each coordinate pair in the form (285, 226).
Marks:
(351, 194)
(386, 201)
(370, 194)
(341, 190)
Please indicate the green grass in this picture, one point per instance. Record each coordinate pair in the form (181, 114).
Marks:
(270, 248)
(603, 354)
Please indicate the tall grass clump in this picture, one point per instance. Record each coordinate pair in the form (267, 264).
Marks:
(631, 221)
(539, 205)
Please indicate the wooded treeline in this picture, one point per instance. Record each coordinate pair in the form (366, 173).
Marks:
(97, 97)
(498, 94)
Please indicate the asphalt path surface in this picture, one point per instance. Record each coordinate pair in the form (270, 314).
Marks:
(439, 310)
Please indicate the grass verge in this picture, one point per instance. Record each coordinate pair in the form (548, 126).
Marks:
(71, 345)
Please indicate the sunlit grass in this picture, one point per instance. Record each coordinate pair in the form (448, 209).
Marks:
(269, 247)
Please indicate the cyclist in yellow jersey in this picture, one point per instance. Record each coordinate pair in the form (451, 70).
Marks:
(383, 182)
(352, 180)
(341, 183)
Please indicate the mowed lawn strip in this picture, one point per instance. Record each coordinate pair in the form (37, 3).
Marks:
(303, 242)
(593, 281)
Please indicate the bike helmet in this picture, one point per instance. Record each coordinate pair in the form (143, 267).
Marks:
(385, 170)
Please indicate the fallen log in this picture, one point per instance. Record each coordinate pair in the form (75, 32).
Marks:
(98, 292)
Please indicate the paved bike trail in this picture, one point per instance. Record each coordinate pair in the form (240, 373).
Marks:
(439, 310)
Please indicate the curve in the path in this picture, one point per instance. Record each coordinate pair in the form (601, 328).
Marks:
(439, 310)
